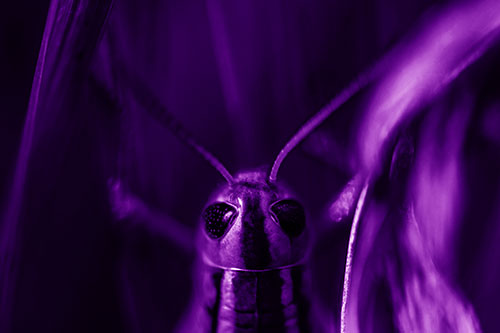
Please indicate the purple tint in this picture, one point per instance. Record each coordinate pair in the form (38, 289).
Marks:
(255, 239)
(127, 208)
(151, 104)
(50, 82)
(382, 117)
(343, 205)
(439, 199)
(422, 67)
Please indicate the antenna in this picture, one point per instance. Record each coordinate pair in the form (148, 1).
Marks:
(316, 120)
(151, 103)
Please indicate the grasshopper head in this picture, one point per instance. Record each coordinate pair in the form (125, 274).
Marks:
(252, 224)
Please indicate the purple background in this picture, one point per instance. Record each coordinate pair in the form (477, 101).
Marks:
(289, 59)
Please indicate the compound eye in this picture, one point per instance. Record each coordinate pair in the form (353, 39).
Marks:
(290, 215)
(217, 218)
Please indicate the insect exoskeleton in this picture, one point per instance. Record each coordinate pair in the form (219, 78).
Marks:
(253, 224)
(253, 239)
(254, 242)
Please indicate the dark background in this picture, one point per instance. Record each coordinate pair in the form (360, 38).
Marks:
(78, 271)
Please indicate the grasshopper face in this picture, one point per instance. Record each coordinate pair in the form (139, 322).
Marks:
(253, 225)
